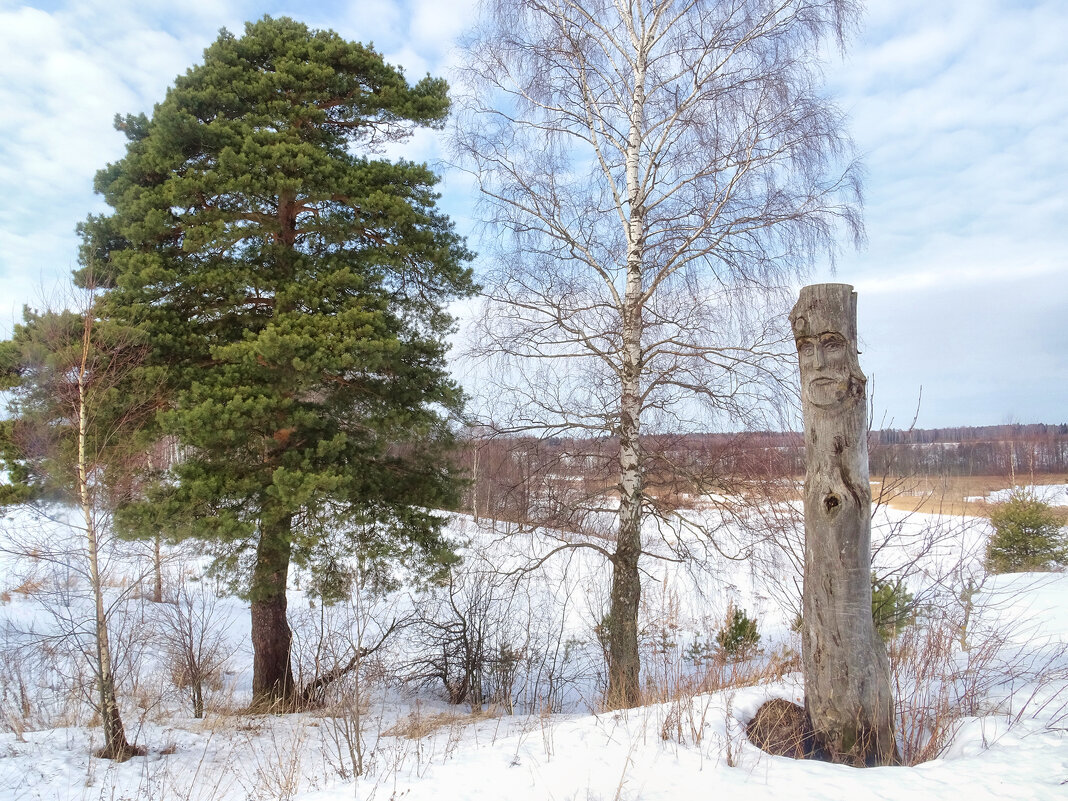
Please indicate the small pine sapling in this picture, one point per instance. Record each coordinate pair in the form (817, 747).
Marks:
(739, 637)
(891, 606)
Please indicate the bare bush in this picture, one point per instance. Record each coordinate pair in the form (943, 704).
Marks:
(338, 648)
(16, 708)
(943, 674)
(55, 638)
(194, 634)
(466, 634)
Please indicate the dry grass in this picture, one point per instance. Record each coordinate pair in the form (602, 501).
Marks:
(937, 494)
(687, 704)
(718, 674)
(417, 725)
(781, 727)
(938, 685)
(30, 586)
(947, 494)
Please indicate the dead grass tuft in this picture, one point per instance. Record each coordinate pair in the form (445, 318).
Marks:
(30, 586)
(781, 727)
(417, 726)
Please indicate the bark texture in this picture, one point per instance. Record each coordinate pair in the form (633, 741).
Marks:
(272, 676)
(116, 746)
(847, 674)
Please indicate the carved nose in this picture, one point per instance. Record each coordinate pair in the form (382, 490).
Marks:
(819, 356)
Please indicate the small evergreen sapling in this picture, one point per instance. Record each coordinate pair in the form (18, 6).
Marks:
(739, 638)
(891, 606)
(1028, 535)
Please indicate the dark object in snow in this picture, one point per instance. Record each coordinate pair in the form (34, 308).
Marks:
(781, 727)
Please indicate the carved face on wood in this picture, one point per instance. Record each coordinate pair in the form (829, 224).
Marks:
(824, 321)
(827, 374)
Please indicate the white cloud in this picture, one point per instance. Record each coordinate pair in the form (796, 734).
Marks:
(437, 24)
(958, 106)
(69, 70)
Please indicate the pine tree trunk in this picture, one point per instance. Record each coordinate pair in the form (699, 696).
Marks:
(847, 675)
(272, 675)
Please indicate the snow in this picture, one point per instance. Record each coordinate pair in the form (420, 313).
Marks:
(1053, 494)
(1003, 678)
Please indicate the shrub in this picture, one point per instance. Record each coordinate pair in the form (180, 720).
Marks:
(739, 637)
(891, 606)
(1027, 535)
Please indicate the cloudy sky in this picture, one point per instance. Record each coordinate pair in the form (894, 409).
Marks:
(958, 107)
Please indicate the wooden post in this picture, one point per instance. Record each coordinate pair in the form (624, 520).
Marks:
(847, 674)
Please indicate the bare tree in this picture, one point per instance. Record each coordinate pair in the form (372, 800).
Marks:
(655, 173)
(66, 445)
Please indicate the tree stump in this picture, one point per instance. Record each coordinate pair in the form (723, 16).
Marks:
(847, 674)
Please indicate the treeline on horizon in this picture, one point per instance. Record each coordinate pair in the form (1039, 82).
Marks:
(551, 480)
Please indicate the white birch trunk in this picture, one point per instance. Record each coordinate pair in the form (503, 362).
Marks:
(115, 743)
(624, 659)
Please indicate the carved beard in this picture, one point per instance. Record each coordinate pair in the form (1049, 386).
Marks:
(831, 387)
(830, 373)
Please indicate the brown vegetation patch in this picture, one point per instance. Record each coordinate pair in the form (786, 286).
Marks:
(781, 727)
(947, 495)
(30, 586)
(120, 753)
(416, 725)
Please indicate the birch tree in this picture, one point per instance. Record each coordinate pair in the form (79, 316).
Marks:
(655, 173)
(68, 442)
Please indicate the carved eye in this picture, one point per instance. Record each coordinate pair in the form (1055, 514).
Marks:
(806, 348)
(833, 343)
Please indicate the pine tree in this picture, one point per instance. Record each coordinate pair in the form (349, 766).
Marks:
(1027, 535)
(293, 293)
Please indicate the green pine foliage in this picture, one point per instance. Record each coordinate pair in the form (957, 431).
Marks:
(739, 637)
(40, 368)
(892, 606)
(37, 433)
(292, 288)
(1028, 535)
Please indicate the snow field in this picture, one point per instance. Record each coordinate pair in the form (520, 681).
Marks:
(991, 686)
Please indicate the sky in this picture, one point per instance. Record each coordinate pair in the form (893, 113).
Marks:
(959, 110)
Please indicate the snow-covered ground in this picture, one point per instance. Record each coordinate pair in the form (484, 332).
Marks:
(1053, 494)
(981, 678)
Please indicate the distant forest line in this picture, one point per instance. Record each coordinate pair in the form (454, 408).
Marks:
(529, 478)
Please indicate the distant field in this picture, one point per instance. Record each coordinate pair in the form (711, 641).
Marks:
(946, 495)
